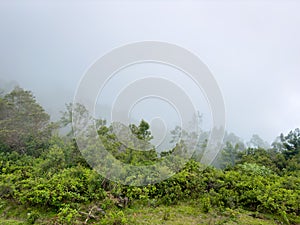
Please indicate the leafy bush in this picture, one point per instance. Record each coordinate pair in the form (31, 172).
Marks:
(41, 170)
(67, 215)
(32, 217)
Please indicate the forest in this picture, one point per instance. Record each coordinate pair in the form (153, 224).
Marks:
(44, 179)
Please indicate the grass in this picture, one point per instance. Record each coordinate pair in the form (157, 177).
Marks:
(11, 222)
(187, 213)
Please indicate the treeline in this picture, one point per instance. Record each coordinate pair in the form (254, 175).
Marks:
(43, 171)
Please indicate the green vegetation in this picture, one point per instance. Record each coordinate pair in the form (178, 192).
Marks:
(45, 180)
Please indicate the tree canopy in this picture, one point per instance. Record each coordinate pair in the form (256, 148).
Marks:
(25, 126)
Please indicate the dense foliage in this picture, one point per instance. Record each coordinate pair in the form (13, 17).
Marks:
(42, 171)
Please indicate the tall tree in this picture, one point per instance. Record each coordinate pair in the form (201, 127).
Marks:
(229, 155)
(290, 144)
(24, 123)
(257, 142)
(141, 131)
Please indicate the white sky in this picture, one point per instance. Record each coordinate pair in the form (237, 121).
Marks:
(251, 47)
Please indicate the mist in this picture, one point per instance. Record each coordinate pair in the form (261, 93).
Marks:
(252, 48)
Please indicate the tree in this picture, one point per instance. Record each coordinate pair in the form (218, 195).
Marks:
(25, 126)
(234, 140)
(78, 113)
(142, 131)
(263, 157)
(290, 144)
(229, 155)
(257, 142)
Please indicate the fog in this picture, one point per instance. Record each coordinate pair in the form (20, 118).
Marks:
(251, 47)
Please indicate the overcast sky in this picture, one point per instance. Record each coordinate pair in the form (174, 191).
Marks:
(251, 47)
